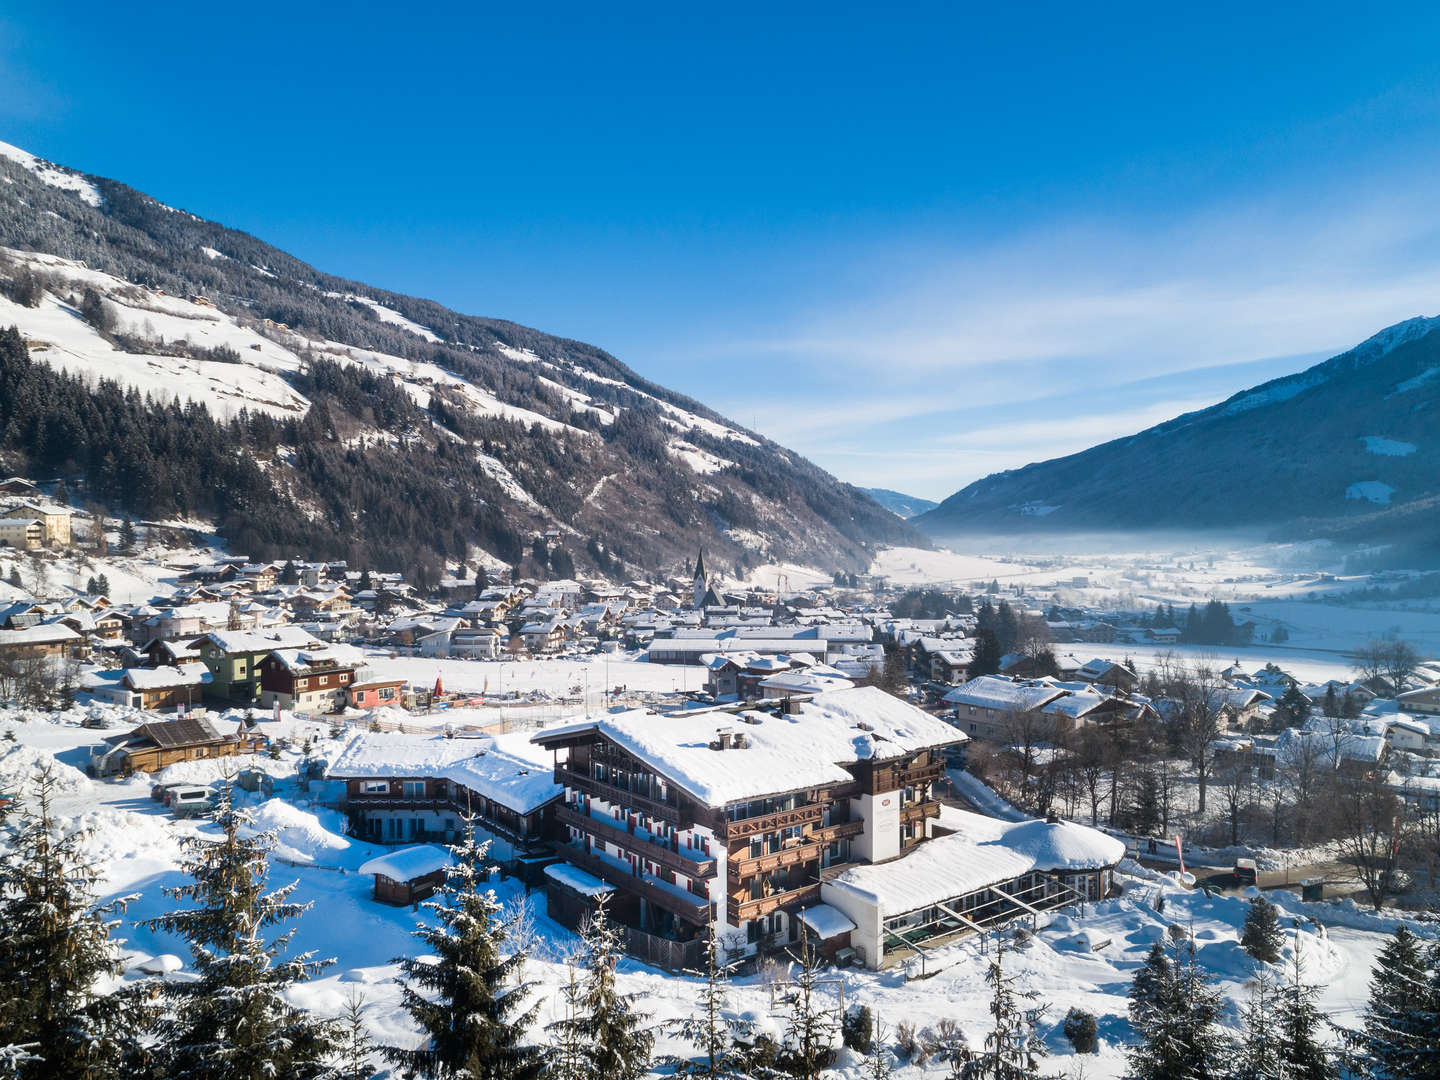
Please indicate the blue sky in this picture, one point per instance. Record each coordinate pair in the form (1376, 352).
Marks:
(918, 245)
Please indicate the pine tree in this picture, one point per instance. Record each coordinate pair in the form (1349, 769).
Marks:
(102, 585)
(56, 1018)
(482, 581)
(1147, 803)
(233, 1022)
(356, 1046)
(811, 1027)
(1296, 1030)
(127, 534)
(1013, 1046)
(289, 573)
(1260, 1057)
(566, 1057)
(15, 576)
(1262, 937)
(602, 1024)
(712, 1030)
(466, 1005)
(1176, 1016)
(1400, 1029)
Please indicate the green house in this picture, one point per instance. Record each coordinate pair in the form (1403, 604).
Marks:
(233, 659)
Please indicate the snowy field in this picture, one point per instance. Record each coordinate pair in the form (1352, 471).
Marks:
(1084, 958)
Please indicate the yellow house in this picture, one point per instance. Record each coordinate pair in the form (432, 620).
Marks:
(53, 518)
(22, 533)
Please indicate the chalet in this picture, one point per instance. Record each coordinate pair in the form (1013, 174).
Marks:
(1107, 673)
(975, 873)
(313, 678)
(376, 693)
(543, 637)
(22, 532)
(54, 639)
(233, 657)
(155, 746)
(407, 788)
(950, 665)
(151, 687)
(1425, 701)
(477, 643)
(408, 875)
(709, 820)
(18, 485)
(986, 706)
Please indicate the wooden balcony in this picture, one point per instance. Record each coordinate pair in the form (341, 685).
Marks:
(401, 802)
(923, 773)
(696, 911)
(809, 814)
(641, 845)
(809, 850)
(807, 896)
(919, 811)
(620, 797)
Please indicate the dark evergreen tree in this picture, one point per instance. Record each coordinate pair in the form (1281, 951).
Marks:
(604, 1024)
(55, 952)
(127, 535)
(1297, 1031)
(1262, 937)
(366, 581)
(1148, 811)
(102, 585)
(233, 1022)
(1400, 1034)
(1332, 701)
(482, 581)
(985, 660)
(720, 1038)
(289, 573)
(811, 1024)
(1292, 710)
(1175, 1016)
(14, 578)
(473, 1018)
(1013, 1047)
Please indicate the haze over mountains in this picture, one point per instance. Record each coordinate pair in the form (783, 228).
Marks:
(897, 502)
(389, 427)
(1346, 450)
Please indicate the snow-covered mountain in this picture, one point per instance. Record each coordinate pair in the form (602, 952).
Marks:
(1346, 449)
(383, 403)
(897, 502)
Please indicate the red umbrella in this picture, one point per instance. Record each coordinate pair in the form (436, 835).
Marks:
(439, 688)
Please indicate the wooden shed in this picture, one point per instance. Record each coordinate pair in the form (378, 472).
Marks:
(408, 875)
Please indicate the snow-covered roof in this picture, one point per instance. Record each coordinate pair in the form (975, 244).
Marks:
(302, 659)
(247, 641)
(802, 682)
(1004, 695)
(981, 851)
(507, 769)
(410, 863)
(790, 752)
(38, 635)
(826, 921)
(577, 879)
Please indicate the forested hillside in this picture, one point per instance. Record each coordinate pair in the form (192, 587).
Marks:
(345, 419)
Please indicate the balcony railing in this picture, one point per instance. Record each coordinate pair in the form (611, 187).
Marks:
(390, 801)
(696, 911)
(805, 896)
(641, 845)
(923, 773)
(611, 793)
(810, 814)
(916, 811)
(810, 849)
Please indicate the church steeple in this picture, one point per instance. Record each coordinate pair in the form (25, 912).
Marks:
(701, 585)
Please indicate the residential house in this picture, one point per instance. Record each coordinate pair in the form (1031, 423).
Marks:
(312, 678)
(233, 657)
(543, 637)
(1108, 673)
(377, 693)
(986, 706)
(54, 519)
(54, 639)
(151, 688)
(159, 744)
(22, 532)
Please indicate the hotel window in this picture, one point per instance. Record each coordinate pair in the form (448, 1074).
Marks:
(375, 787)
(414, 789)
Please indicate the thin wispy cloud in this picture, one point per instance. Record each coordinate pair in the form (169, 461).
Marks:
(1054, 330)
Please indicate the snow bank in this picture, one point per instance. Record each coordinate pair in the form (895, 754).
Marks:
(19, 763)
(301, 836)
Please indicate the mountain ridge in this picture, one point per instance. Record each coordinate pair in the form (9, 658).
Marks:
(529, 432)
(1311, 454)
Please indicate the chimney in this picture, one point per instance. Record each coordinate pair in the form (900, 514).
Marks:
(724, 737)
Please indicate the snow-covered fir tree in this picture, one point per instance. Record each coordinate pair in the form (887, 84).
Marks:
(602, 1025)
(1297, 1027)
(233, 1022)
(1259, 1057)
(1013, 1048)
(471, 1004)
(1401, 1036)
(58, 1017)
(566, 1056)
(720, 1037)
(356, 1046)
(1262, 937)
(812, 1023)
(1176, 1018)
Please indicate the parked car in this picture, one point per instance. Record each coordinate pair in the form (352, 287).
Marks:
(161, 792)
(1246, 872)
